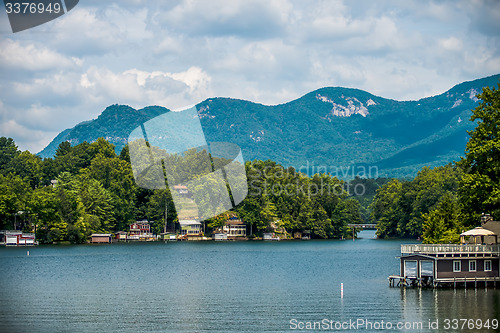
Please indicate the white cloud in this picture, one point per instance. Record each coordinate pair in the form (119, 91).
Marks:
(94, 31)
(259, 18)
(16, 55)
(332, 20)
(56, 101)
(27, 138)
(451, 44)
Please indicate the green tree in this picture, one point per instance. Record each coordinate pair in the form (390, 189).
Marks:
(71, 159)
(423, 193)
(443, 224)
(103, 147)
(480, 187)
(97, 202)
(267, 214)
(44, 204)
(28, 167)
(14, 197)
(159, 203)
(8, 150)
(386, 210)
(117, 178)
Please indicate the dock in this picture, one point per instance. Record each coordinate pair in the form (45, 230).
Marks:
(476, 282)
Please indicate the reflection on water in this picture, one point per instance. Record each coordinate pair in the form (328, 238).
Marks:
(219, 287)
(440, 304)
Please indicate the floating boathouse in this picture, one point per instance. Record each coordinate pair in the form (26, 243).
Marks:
(472, 263)
(448, 264)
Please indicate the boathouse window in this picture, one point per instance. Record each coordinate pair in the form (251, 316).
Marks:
(487, 265)
(472, 265)
(411, 268)
(426, 268)
(457, 265)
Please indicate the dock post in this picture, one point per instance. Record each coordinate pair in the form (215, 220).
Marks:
(475, 282)
(454, 283)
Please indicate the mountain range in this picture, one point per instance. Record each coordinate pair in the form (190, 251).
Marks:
(343, 131)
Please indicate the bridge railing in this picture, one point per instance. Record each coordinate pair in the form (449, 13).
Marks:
(449, 248)
(363, 225)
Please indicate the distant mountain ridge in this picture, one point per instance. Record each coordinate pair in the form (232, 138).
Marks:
(329, 129)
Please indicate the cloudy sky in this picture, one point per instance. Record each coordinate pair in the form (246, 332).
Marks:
(177, 53)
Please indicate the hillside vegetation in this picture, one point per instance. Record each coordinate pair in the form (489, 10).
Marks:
(345, 131)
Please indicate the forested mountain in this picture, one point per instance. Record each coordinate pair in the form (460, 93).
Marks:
(114, 124)
(345, 131)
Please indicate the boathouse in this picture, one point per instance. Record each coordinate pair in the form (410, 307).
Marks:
(101, 238)
(18, 238)
(121, 236)
(475, 260)
(219, 236)
(439, 264)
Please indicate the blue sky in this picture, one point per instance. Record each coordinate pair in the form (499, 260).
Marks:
(178, 53)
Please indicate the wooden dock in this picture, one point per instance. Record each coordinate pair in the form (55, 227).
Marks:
(475, 282)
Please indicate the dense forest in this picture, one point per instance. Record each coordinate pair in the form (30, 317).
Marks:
(88, 188)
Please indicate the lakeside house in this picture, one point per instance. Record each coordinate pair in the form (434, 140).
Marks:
(140, 231)
(140, 228)
(475, 260)
(235, 229)
(190, 230)
(17, 238)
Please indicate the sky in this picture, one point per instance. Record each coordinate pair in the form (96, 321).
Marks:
(178, 53)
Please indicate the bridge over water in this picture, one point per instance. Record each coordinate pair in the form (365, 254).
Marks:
(370, 226)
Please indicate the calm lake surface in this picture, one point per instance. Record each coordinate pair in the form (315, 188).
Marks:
(222, 287)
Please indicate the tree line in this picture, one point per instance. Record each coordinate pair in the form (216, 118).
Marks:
(88, 189)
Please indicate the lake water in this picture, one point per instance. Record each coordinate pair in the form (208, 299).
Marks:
(250, 286)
